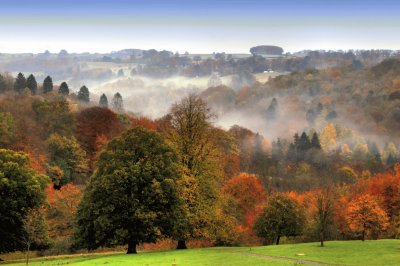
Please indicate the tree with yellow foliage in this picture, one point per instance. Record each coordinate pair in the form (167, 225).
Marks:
(328, 137)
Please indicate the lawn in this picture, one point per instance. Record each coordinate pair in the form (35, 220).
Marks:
(192, 257)
(380, 252)
(371, 252)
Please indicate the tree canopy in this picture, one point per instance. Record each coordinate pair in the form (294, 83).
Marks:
(21, 189)
(132, 196)
(282, 217)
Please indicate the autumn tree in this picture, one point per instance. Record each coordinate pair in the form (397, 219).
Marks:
(248, 194)
(324, 214)
(61, 210)
(67, 155)
(35, 230)
(282, 217)
(63, 89)
(31, 84)
(83, 94)
(20, 83)
(54, 116)
(103, 101)
(95, 126)
(364, 216)
(47, 85)
(192, 137)
(328, 137)
(117, 103)
(7, 128)
(132, 198)
(21, 189)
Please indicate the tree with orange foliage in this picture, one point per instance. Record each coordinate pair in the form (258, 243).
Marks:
(248, 193)
(63, 204)
(144, 122)
(364, 215)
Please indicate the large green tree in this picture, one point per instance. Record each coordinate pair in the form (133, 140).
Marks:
(21, 189)
(132, 196)
(282, 217)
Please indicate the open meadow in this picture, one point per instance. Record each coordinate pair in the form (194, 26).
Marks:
(373, 252)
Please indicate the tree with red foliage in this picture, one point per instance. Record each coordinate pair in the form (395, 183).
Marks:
(94, 126)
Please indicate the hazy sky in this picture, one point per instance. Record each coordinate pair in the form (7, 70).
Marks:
(197, 26)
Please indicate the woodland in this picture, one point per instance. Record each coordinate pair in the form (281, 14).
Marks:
(81, 173)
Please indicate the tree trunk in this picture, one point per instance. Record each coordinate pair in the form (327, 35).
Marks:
(321, 237)
(363, 235)
(277, 239)
(181, 244)
(27, 254)
(131, 247)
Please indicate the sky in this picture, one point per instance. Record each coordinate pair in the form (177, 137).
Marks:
(197, 26)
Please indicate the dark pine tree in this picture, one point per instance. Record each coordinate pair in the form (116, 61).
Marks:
(304, 143)
(272, 109)
(390, 160)
(83, 94)
(315, 143)
(260, 157)
(103, 101)
(64, 90)
(20, 83)
(3, 85)
(117, 103)
(31, 84)
(47, 85)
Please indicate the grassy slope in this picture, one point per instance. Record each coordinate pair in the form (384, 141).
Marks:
(381, 252)
(193, 257)
(372, 252)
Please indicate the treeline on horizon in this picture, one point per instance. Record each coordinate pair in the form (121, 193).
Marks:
(77, 175)
(164, 64)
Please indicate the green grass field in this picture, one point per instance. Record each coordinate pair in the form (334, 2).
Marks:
(380, 252)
